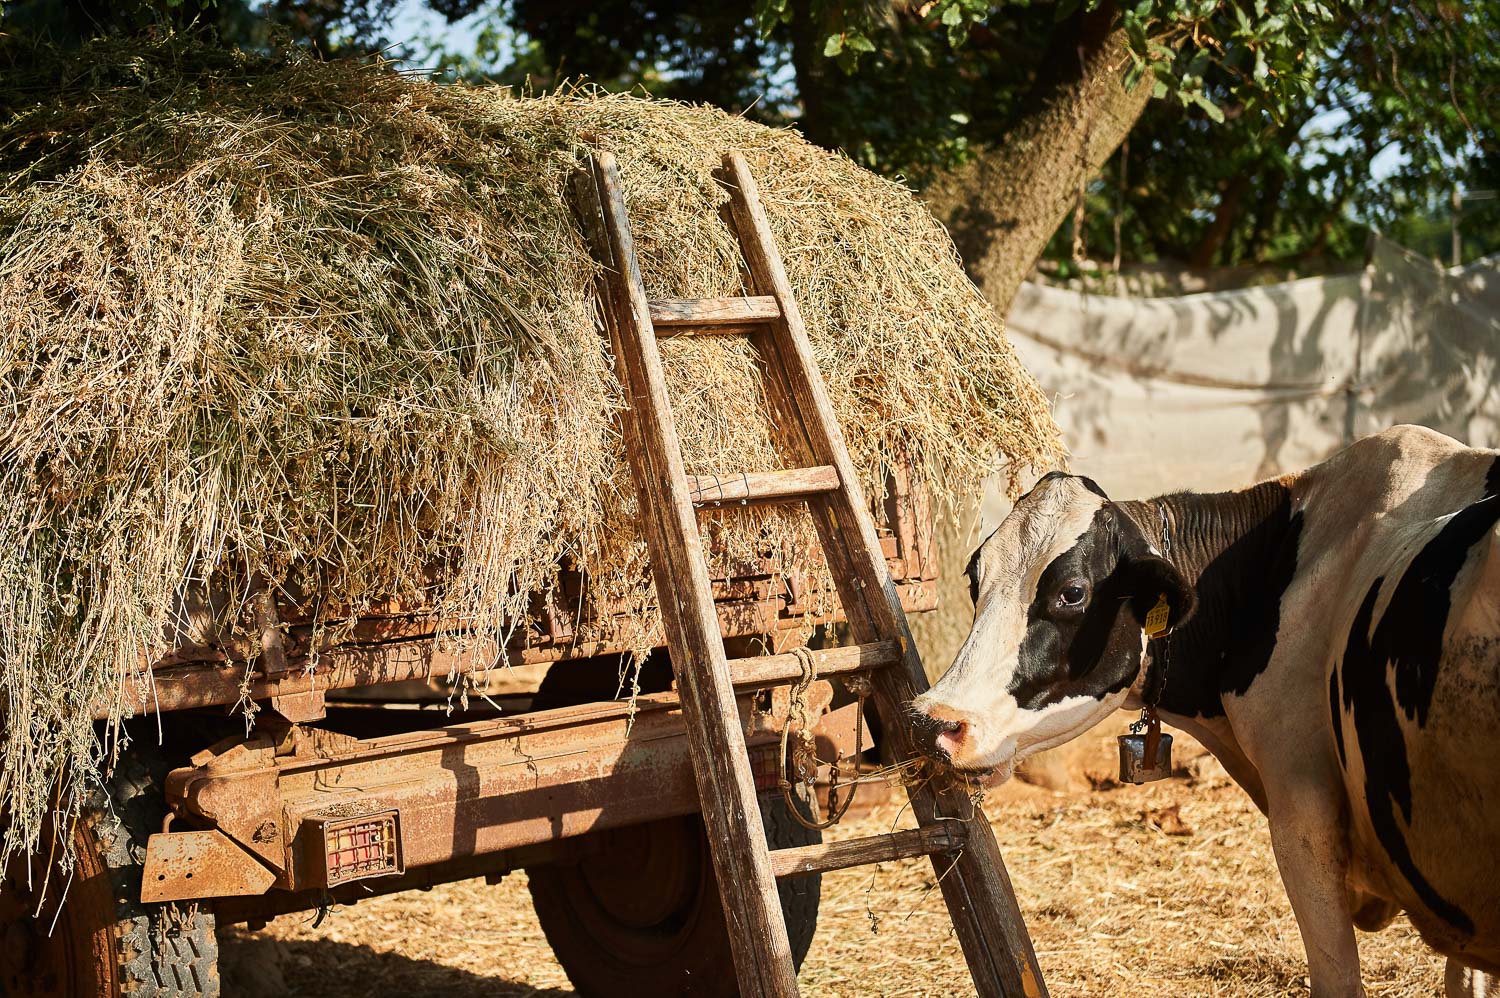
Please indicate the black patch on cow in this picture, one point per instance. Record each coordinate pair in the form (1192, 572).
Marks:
(1093, 650)
(1417, 614)
(1409, 642)
(1243, 548)
(1092, 486)
(1382, 746)
(1337, 716)
(972, 571)
(1083, 480)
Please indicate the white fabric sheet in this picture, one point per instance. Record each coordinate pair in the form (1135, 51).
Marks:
(1214, 391)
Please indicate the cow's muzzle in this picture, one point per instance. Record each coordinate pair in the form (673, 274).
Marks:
(942, 730)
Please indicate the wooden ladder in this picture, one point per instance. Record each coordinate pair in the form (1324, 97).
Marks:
(952, 831)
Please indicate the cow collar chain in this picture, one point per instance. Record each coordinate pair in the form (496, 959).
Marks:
(1141, 758)
(1151, 696)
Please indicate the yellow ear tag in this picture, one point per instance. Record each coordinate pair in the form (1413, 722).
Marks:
(1156, 619)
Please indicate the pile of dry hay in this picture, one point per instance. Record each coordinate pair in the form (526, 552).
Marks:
(274, 322)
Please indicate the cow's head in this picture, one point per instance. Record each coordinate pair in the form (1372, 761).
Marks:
(1061, 591)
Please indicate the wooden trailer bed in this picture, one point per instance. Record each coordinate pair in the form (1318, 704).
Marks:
(386, 647)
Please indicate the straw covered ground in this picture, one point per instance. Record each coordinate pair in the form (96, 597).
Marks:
(1164, 889)
(268, 323)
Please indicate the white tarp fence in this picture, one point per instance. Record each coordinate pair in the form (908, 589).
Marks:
(1214, 391)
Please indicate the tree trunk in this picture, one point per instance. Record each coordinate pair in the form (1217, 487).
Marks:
(809, 64)
(1266, 212)
(1225, 215)
(1003, 206)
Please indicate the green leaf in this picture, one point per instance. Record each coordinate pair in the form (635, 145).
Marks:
(953, 14)
(833, 46)
(1209, 107)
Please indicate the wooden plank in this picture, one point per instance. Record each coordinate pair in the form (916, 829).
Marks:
(674, 313)
(766, 670)
(761, 486)
(721, 765)
(944, 837)
(413, 654)
(980, 901)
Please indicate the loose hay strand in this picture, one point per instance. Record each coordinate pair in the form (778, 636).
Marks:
(327, 330)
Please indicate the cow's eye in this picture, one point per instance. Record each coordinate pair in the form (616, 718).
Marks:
(1072, 595)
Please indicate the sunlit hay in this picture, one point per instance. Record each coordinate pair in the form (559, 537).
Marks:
(328, 330)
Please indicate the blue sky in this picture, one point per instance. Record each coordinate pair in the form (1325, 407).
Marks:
(416, 23)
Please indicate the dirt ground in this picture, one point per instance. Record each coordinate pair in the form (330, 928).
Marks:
(1169, 888)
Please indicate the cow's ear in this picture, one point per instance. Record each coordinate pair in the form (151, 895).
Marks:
(1154, 578)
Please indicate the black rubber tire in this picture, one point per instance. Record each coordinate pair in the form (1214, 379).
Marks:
(800, 896)
(687, 951)
(106, 943)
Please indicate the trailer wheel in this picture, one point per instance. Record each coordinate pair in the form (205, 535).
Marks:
(103, 941)
(639, 911)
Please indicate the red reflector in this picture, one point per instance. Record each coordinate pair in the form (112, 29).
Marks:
(358, 847)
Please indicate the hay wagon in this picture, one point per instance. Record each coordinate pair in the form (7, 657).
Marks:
(357, 780)
(321, 562)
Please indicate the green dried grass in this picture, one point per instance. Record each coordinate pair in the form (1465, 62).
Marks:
(323, 326)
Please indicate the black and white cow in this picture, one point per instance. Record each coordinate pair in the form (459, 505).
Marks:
(1335, 643)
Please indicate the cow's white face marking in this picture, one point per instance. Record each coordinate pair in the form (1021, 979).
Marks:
(1054, 648)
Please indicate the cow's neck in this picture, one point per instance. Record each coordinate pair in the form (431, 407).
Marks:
(1239, 550)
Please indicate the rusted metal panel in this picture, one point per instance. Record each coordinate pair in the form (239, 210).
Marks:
(301, 707)
(243, 806)
(247, 908)
(837, 733)
(472, 789)
(185, 866)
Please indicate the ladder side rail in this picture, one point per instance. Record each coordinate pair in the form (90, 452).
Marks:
(791, 356)
(975, 884)
(721, 764)
(977, 888)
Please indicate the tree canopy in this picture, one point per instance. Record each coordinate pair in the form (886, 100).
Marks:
(1279, 131)
(1267, 117)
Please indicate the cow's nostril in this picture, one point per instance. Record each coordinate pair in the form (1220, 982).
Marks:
(949, 737)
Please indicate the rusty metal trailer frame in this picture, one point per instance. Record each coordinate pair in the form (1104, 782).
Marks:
(251, 815)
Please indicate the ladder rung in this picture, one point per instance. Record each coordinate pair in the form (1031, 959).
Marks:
(768, 670)
(825, 856)
(675, 313)
(762, 486)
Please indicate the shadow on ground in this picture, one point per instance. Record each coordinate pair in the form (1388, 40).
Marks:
(253, 966)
